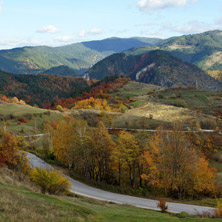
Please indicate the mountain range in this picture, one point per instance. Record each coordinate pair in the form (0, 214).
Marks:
(78, 56)
(178, 61)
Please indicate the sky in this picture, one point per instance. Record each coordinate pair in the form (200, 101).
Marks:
(62, 22)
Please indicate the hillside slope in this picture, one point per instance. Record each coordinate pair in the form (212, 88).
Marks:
(156, 67)
(60, 71)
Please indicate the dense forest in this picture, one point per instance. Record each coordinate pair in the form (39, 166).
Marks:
(41, 90)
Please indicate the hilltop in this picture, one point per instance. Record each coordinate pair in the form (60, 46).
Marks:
(155, 67)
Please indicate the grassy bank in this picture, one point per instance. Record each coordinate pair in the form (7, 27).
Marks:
(21, 204)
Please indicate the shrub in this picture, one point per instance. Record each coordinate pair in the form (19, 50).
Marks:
(59, 108)
(122, 108)
(218, 211)
(151, 116)
(179, 103)
(208, 124)
(162, 205)
(22, 120)
(50, 181)
(160, 96)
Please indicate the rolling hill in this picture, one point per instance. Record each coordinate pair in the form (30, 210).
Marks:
(155, 67)
(78, 56)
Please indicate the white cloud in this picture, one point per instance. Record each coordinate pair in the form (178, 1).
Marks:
(65, 38)
(82, 33)
(149, 5)
(195, 27)
(93, 31)
(20, 42)
(1, 6)
(218, 21)
(48, 29)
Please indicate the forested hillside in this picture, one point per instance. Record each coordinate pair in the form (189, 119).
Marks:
(41, 90)
(155, 67)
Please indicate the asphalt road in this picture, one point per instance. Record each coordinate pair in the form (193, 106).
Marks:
(87, 191)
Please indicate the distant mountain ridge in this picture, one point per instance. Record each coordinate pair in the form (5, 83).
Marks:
(155, 67)
(78, 56)
(203, 50)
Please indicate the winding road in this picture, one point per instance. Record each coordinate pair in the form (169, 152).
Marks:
(87, 191)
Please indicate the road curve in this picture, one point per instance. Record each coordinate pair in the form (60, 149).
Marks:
(87, 191)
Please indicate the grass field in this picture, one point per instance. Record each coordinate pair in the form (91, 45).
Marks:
(205, 101)
(134, 89)
(21, 204)
(10, 114)
(17, 109)
(167, 105)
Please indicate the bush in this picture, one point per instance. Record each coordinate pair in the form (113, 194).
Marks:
(50, 181)
(161, 96)
(218, 211)
(123, 108)
(162, 205)
(179, 103)
(208, 124)
(22, 120)
(151, 116)
(59, 108)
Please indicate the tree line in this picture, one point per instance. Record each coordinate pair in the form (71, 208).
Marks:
(166, 162)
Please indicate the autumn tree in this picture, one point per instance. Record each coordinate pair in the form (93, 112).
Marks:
(128, 153)
(103, 147)
(10, 155)
(63, 142)
(8, 149)
(48, 130)
(176, 166)
(70, 142)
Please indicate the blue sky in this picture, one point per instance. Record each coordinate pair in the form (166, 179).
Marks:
(61, 22)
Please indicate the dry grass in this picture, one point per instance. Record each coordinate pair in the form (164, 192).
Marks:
(26, 206)
(163, 112)
(9, 177)
(214, 58)
(176, 46)
(21, 201)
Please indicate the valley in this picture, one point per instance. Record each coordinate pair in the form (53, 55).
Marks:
(146, 123)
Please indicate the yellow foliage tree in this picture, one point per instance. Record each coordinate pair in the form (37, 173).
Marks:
(128, 149)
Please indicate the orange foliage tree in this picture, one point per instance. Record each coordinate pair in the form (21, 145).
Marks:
(10, 155)
(176, 167)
